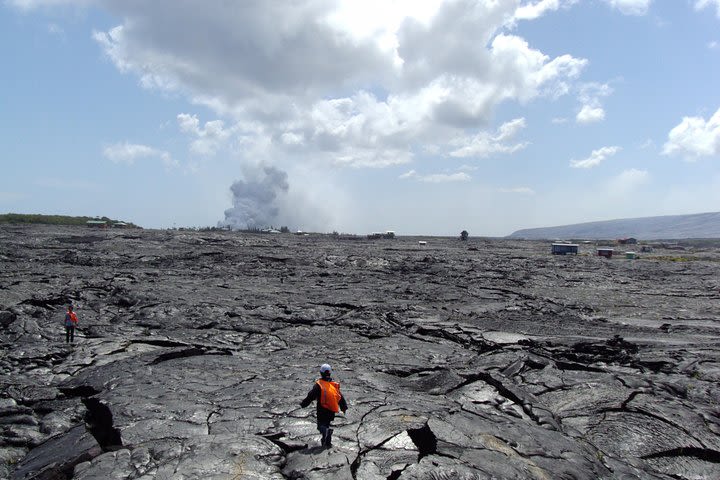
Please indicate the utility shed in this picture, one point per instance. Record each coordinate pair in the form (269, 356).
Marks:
(96, 223)
(605, 252)
(564, 248)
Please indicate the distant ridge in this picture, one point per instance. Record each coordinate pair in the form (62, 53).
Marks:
(699, 225)
(24, 218)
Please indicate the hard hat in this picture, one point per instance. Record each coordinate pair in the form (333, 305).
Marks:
(325, 368)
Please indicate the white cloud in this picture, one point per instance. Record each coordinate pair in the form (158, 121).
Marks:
(210, 138)
(694, 137)
(559, 120)
(127, 153)
(701, 4)
(485, 144)
(289, 138)
(437, 177)
(538, 8)
(713, 45)
(285, 61)
(631, 7)
(518, 190)
(627, 181)
(588, 114)
(589, 95)
(596, 157)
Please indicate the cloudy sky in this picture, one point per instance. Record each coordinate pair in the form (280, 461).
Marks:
(419, 116)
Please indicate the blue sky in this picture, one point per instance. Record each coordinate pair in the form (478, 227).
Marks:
(423, 117)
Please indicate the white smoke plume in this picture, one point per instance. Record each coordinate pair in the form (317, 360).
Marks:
(255, 199)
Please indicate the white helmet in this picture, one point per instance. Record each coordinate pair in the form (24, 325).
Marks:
(325, 368)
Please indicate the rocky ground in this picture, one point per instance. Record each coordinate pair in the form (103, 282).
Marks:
(460, 360)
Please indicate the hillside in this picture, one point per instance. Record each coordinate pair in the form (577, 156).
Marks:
(700, 225)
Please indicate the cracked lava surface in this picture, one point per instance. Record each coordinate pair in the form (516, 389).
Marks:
(459, 360)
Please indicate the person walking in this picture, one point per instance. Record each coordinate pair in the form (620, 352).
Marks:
(329, 402)
(71, 321)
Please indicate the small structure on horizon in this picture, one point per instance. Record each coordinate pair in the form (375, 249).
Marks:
(631, 255)
(389, 234)
(564, 248)
(96, 223)
(606, 252)
(464, 235)
(119, 225)
(627, 241)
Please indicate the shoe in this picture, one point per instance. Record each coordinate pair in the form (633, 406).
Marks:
(328, 437)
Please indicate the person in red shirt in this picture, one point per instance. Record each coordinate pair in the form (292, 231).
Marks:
(329, 402)
(71, 321)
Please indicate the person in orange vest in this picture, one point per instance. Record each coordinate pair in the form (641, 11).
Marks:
(71, 321)
(329, 402)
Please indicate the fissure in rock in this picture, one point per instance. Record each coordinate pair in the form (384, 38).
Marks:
(424, 439)
(705, 454)
(79, 391)
(188, 352)
(99, 422)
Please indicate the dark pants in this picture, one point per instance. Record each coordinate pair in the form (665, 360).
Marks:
(324, 419)
(326, 433)
(69, 334)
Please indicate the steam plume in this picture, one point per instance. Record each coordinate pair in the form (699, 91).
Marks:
(255, 199)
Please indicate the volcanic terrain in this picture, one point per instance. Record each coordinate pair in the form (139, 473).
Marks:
(459, 360)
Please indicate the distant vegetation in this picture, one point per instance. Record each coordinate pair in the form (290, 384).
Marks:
(23, 218)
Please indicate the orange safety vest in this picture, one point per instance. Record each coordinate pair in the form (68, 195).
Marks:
(73, 320)
(329, 395)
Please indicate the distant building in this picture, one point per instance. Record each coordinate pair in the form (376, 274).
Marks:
(564, 248)
(120, 225)
(96, 223)
(380, 235)
(605, 252)
(627, 241)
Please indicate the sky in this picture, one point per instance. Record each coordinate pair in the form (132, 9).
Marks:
(426, 117)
